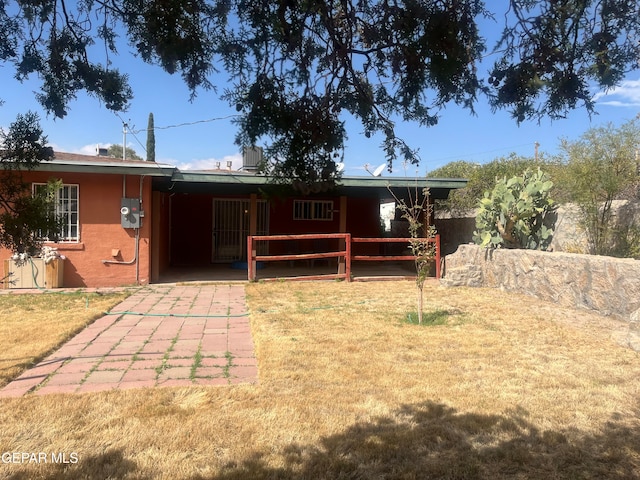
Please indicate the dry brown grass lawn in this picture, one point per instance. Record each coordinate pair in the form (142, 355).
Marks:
(32, 326)
(508, 388)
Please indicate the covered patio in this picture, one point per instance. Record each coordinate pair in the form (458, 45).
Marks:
(202, 220)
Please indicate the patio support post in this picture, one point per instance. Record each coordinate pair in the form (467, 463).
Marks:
(253, 214)
(253, 230)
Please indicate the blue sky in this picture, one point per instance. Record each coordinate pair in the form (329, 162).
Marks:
(195, 134)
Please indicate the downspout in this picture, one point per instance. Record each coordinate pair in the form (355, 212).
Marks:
(138, 231)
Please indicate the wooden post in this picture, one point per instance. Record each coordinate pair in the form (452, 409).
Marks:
(253, 230)
(253, 214)
(438, 256)
(342, 244)
(251, 265)
(348, 257)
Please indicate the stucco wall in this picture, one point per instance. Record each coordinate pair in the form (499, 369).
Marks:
(608, 285)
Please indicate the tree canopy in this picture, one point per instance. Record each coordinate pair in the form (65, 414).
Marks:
(151, 140)
(483, 177)
(115, 151)
(297, 69)
(600, 167)
(25, 216)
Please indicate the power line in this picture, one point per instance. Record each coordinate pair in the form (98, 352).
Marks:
(125, 126)
(186, 124)
(139, 142)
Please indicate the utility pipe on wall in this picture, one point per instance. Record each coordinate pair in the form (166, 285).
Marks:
(134, 260)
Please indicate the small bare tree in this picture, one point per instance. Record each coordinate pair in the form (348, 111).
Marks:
(417, 210)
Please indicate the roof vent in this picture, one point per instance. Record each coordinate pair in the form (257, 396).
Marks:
(102, 152)
(251, 158)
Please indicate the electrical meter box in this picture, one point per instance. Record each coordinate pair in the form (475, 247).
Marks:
(130, 213)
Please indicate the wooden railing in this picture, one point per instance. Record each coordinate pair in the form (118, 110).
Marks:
(383, 258)
(344, 253)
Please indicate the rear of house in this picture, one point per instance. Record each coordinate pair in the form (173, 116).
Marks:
(136, 222)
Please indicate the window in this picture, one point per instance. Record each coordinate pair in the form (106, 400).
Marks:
(313, 209)
(66, 207)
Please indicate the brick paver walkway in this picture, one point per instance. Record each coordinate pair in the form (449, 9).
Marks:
(159, 336)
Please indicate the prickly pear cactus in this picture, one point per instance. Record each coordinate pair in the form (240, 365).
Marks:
(516, 214)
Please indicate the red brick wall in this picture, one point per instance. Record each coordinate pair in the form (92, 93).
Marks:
(101, 232)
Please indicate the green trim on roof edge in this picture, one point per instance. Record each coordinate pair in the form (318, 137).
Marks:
(373, 182)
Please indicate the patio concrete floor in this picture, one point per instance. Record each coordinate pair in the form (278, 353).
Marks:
(272, 270)
(162, 335)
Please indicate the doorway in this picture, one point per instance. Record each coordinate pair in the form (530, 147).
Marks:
(231, 217)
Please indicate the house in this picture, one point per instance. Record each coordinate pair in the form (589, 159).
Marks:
(136, 222)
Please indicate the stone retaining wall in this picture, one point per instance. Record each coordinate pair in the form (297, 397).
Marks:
(610, 286)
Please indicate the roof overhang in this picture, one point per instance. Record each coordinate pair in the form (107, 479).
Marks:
(222, 182)
(191, 181)
(108, 167)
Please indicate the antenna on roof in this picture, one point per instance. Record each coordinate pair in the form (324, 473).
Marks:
(377, 172)
(124, 141)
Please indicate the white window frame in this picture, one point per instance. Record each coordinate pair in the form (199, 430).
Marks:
(320, 210)
(64, 207)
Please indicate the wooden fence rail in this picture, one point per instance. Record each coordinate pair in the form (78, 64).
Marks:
(386, 258)
(344, 254)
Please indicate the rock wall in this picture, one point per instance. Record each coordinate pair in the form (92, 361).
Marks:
(610, 286)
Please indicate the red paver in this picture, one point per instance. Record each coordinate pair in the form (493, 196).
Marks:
(245, 362)
(143, 375)
(142, 364)
(213, 362)
(103, 376)
(128, 347)
(114, 364)
(209, 372)
(175, 373)
(47, 389)
(66, 379)
(137, 384)
(78, 365)
(180, 362)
